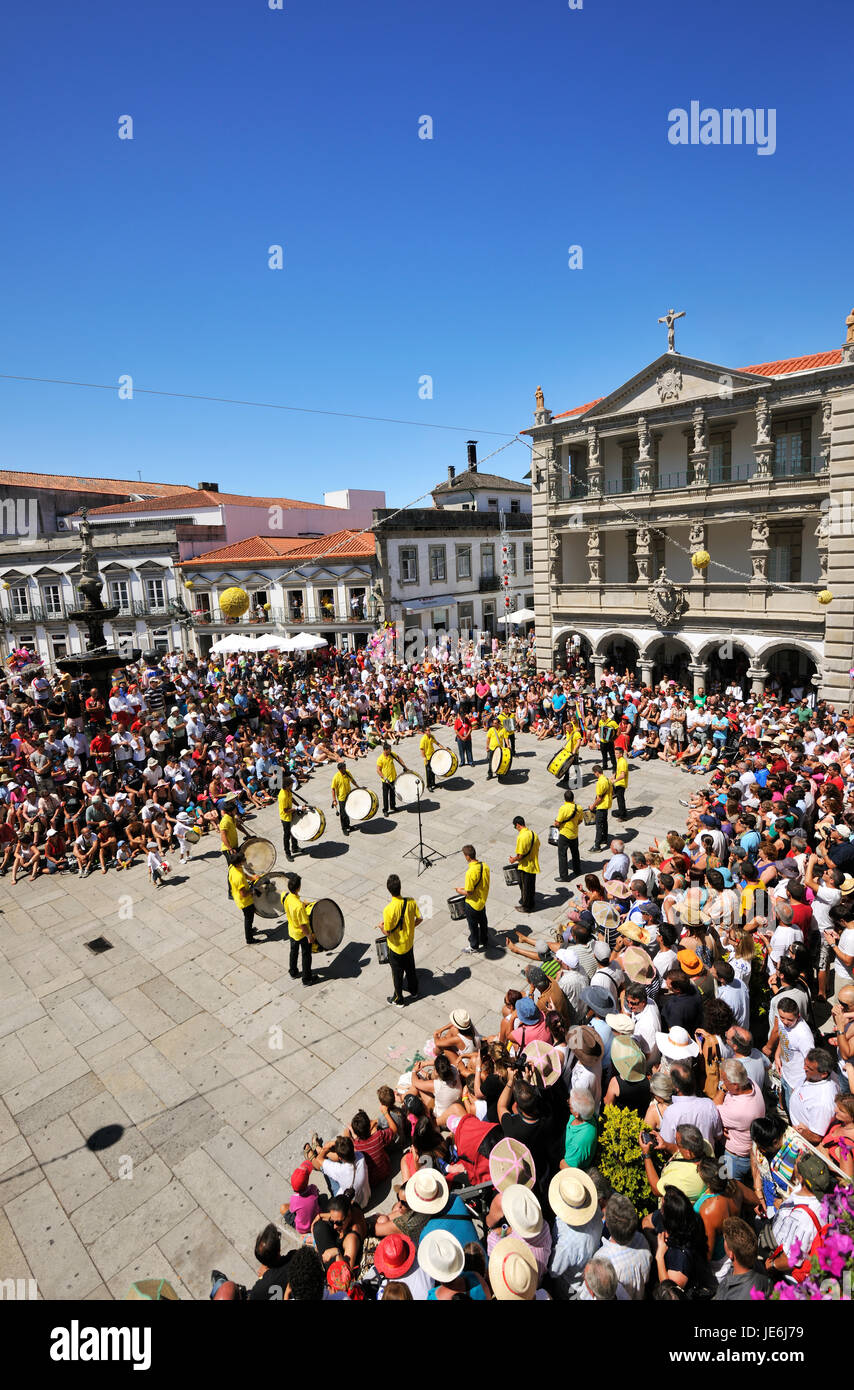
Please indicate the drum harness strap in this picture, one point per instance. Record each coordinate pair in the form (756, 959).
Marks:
(392, 931)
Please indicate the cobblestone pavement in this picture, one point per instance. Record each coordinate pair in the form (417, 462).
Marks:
(172, 1034)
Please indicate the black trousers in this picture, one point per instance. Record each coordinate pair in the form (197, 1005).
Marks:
(527, 889)
(568, 847)
(248, 919)
(620, 794)
(389, 798)
(403, 972)
(288, 840)
(344, 818)
(300, 949)
(609, 755)
(478, 925)
(428, 776)
(602, 833)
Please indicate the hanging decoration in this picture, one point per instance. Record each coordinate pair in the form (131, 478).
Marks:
(701, 559)
(234, 603)
(825, 596)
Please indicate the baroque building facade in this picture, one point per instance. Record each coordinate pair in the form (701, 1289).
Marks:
(755, 467)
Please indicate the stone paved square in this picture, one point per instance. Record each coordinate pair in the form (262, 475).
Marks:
(168, 1034)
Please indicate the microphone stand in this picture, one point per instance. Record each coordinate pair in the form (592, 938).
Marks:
(426, 855)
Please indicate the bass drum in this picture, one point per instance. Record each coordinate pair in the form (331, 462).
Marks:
(267, 893)
(310, 826)
(408, 788)
(327, 922)
(444, 763)
(260, 855)
(500, 761)
(361, 804)
(559, 762)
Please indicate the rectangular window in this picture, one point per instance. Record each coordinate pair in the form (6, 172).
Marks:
(784, 555)
(160, 640)
(408, 564)
(489, 616)
(487, 561)
(438, 567)
(119, 590)
(155, 594)
(440, 619)
(492, 504)
(27, 640)
(720, 456)
(60, 647)
(656, 556)
(515, 504)
(202, 603)
(19, 601)
(631, 544)
(629, 459)
(259, 598)
(792, 442)
(463, 562)
(465, 616)
(52, 600)
(529, 557)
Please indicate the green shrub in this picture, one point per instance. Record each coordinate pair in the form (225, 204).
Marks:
(620, 1158)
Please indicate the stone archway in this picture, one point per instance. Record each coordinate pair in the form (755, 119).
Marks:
(573, 652)
(670, 659)
(619, 652)
(790, 671)
(729, 664)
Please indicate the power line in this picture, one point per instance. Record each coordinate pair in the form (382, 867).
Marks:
(258, 405)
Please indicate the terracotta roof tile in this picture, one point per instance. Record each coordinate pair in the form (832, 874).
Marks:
(340, 545)
(60, 482)
(190, 497)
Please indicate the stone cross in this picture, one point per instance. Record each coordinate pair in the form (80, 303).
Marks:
(670, 319)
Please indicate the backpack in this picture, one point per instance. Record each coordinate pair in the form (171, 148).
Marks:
(474, 1141)
(802, 1271)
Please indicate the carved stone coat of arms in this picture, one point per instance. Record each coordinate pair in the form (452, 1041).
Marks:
(666, 601)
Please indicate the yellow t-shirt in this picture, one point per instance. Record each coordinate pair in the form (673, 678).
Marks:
(342, 785)
(621, 776)
(296, 912)
(496, 738)
(241, 888)
(229, 830)
(527, 850)
(427, 746)
(477, 885)
(573, 739)
(286, 804)
(567, 819)
(399, 924)
(605, 789)
(386, 767)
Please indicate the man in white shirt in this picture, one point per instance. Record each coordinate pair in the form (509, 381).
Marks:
(795, 1041)
(813, 1103)
(646, 1020)
(625, 1248)
(798, 1220)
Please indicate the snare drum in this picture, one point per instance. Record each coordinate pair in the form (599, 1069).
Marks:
(259, 854)
(500, 761)
(193, 836)
(444, 763)
(267, 894)
(554, 835)
(456, 907)
(511, 875)
(310, 825)
(559, 762)
(408, 788)
(327, 923)
(361, 804)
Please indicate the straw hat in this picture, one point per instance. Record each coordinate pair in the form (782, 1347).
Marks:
(572, 1196)
(461, 1019)
(637, 965)
(689, 962)
(677, 1045)
(427, 1191)
(511, 1164)
(617, 889)
(585, 1043)
(627, 1059)
(513, 1272)
(692, 916)
(522, 1211)
(620, 1024)
(604, 914)
(546, 1061)
(441, 1256)
(634, 933)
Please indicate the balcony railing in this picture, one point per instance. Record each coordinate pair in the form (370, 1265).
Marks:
(719, 475)
(36, 613)
(307, 616)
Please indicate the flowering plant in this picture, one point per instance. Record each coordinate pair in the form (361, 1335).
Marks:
(620, 1158)
(832, 1263)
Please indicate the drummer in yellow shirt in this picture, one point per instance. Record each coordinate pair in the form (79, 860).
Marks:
(299, 931)
(495, 738)
(527, 862)
(286, 811)
(621, 782)
(476, 891)
(567, 821)
(603, 796)
(387, 769)
(228, 837)
(574, 738)
(427, 748)
(342, 785)
(240, 888)
(400, 918)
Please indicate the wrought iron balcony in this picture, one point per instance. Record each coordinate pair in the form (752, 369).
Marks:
(488, 583)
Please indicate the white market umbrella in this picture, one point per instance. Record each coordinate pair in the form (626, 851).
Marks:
(304, 642)
(271, 641)
(522, 615)
(232, 642)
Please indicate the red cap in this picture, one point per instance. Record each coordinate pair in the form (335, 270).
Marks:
(299, 1178)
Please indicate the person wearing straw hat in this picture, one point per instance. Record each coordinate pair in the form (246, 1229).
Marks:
(428, 1194)
(443, 1259)
(584, 1055)
(628, 1088)
(517, 1212)
(577, 1228)
(513, 1274)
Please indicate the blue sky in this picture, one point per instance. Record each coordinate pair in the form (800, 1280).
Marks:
(402, 257)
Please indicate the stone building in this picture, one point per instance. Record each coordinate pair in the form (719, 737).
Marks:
(755, 466)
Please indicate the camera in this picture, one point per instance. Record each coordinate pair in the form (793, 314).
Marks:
(647, 1136)
(517, 1063)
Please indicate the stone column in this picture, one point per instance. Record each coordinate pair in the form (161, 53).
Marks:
(645, 459)
(823, 469)
(700, 451)
(594, 463)
(757, 675)
(759, 549)
(556, 546)
(645, 670)
(697, 541)
(642, 554)
(700, 672)
(762, 448)
(594, 556)
(598, 669)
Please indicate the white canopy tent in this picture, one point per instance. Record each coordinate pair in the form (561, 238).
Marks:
(271, 641)
(522, 615)
(234, 642)
(304, 642)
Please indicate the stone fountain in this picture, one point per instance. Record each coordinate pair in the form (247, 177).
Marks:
(96, 664)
